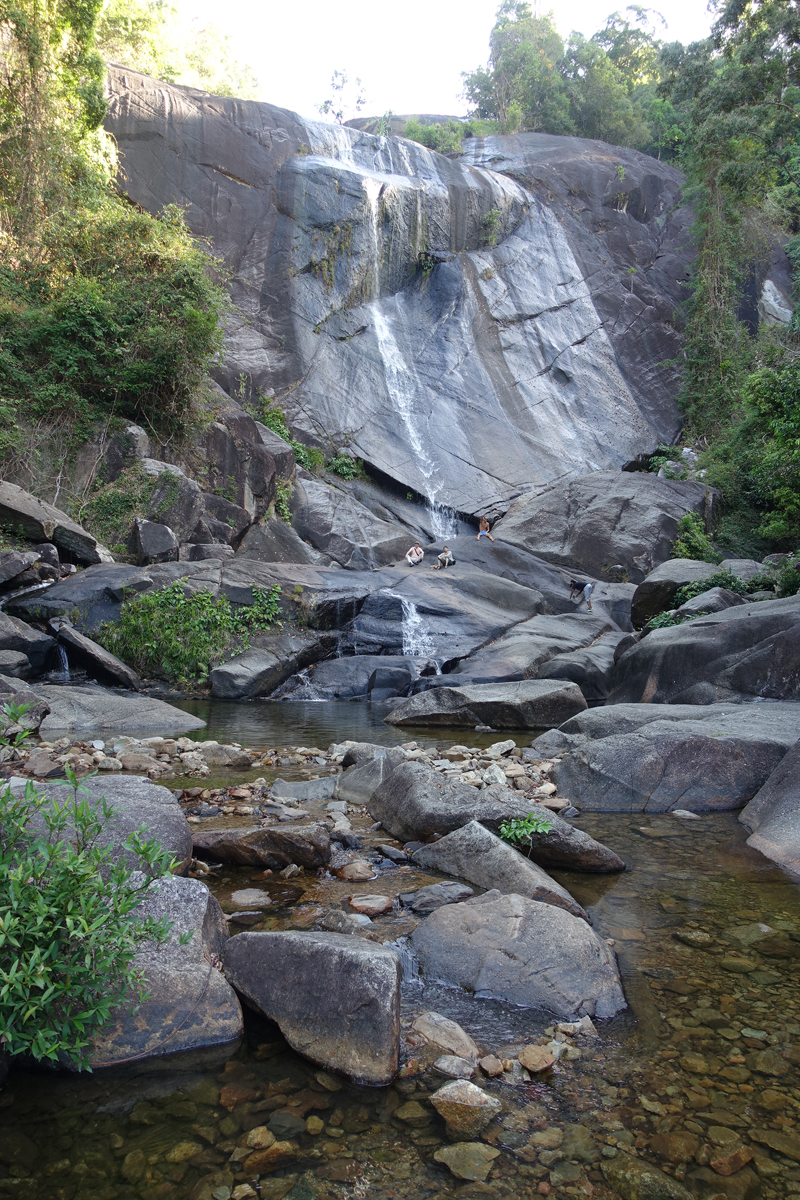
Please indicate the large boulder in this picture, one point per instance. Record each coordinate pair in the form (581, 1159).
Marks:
(152, 542)
(521, 951)
(529, 704)
(524, 650)
(188, 1005)
(281, 451)
(713, 762)
(14, 563)
(337, 525)
(222, 521)
(87, 707)
(590, 667)
(41, 522)
(773, 815)
(271, 659)
(354, 677)
(656, 593)
(96, 659)
(272, 540)
(175, 501)
(606, 520)
(335, 998)
(238, 464)
(748, 652)
(479, 856)
(716, 599)
(20, 638)
(359, 782)
(275, 847)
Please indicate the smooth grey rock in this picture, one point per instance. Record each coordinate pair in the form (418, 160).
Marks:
(523, 652)
(773, 815)
(176, 500)
(273, 541)
(97, 660)
(224, 520)
(361, 753)
(427, 899)
(776, 720)
(281, 451)
(260, 670)
(306, 789)
(590, 667)
(190, 552)
(152, 542)
(748, 652)
(137, 804)
(89, 707)
(606, 519)
(564, 846)
(530, 704)
(351, 678)
(43, 523)
(743, 568)
(14, 664)
(189, 1005)
(274, 846)
(17, 636)
(657, 591)
(15, 562)
(14, 691)
(477, 855)
(714, 600)
(335, 998)
(358, 783)
(521, 951)
(337, 525)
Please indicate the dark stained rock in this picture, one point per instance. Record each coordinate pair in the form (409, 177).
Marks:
(89, 597)
(523, 652)
(354, 677)
(200, 553)
(85, 707)
(100, 662)
(337, 525)
(14, 562)
(608, 519)
(335, 998)
(748, 652)
(590, 667)
(259, 671)
(15, 664)
(223, 520)
(274, 847)
(271, 540)
(16, 635)
(176, 500)
(655, 593)
(477, 855)
(43, 523)
(239, 465)
(521, 951)
(150, 542)
(773, 815)
(189, 1005)
(14, 691)
(529, 704)
(281, 451)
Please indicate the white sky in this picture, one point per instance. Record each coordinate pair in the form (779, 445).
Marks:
(409, 57)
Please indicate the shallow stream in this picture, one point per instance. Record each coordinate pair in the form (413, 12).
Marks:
(704, 1063)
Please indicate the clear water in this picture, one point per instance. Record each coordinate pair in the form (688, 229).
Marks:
(708, 1049)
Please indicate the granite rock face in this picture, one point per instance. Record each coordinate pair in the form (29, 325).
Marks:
(322, 229)
(335, 998)
(773, 815)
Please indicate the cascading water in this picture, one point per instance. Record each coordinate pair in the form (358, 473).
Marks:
(417, 640)
(63, 662)
(403, 385)
(372, 187)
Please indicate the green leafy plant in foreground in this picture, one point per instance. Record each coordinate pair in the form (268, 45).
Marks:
(176, 635)
(13, 733)
(68, 930)
(519, 830)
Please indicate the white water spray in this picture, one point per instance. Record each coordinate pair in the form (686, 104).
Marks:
(417, 640)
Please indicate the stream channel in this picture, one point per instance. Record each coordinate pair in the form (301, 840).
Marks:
(704, 1062)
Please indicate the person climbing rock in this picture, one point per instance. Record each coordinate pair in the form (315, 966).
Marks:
(483, 529)
(415, 555)
(445, 559)
(582, 589)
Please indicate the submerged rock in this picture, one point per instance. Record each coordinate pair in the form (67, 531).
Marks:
(468, 1160)
(465, 1108)
(521, 951)
(447, 1034)
(529, 704)
(335, 998)
(634, 1179)
(275, 846)
(475, 854)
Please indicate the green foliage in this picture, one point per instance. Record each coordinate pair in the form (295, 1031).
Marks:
(446, 139)
(519, 830)
(787, 581)
(693, 541)
(719, 579)
(13, 733)
(662, 457)
(345, 466)
(68, 925)
(283, 494)
(665, 619)
(309, 457)
(112, 508)
(491, 226)
(169, 633)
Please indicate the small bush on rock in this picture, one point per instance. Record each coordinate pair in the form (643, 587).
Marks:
(345, 466)
(309, 457)
(68, 929)
(693, 541)
(518, 830)
(719, 579)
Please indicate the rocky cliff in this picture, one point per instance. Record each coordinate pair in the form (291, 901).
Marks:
(473, 328)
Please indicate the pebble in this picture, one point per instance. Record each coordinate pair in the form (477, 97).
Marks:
(465, 1108)
(456, 1068)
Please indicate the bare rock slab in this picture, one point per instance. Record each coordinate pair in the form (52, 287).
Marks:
(529, 704)
(275, 847)
(89, 707)
(773, 815)
(477, 855)
(190, 1005)
(335, 998)
(522, 951)
(42, 522)
(97, 660)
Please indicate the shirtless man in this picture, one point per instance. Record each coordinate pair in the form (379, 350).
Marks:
(415, 555)
(483, 530)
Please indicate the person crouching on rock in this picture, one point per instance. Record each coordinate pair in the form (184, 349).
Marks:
(415, 555)
(483, 529)
(445, 560)
(582, 589)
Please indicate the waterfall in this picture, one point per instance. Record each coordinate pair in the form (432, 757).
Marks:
(63, 661)
(400, 383)
(372, 187)
(409, 963)
(417, 640)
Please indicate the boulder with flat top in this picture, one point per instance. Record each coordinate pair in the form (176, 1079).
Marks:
(529, 704)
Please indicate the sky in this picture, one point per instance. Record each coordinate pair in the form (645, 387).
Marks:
(409, 57)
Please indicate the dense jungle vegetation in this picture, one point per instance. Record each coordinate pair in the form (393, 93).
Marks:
(727, 112)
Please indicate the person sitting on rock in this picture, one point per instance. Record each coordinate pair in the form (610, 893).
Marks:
(483, 529)
(415, 555)
(582, 589)
(445, 560)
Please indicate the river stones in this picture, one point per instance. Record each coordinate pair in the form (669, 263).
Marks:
(189, 1005)
(522, 951)
(476, 854)
(275, 847)
(529, 704)
(637, 1180)
(465, 1108)
(447, 1034)
(468, 1160)
(335, 998)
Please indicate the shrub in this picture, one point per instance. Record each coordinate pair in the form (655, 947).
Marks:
(665, 619)
(663, 457)
(345, 466)
(788, 578)
(68, 929)
(174, 635)
(283, 492)
(445, 139)
(518, 830)
(693, 541)
(720, 579)
(491, 227)
(112, 508)
(309, 457)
